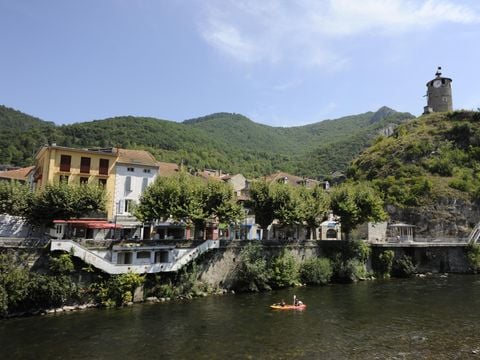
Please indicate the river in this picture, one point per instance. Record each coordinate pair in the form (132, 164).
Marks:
(422, 318)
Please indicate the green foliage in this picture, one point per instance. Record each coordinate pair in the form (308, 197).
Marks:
(188, 199)
(348, 260)
(46, 291)
(356, 204)
(223, 141)
(253, 271)
(261, 202)
(288, 204)
(316, 271)
(382, 263)
(403, 267)
(63, 201)
(473, 257)
(409, 168)
(283, 271)
(15, 198)
(351, 270)
(118, 290)
(61, 264)
(21, 136)
(22, 290)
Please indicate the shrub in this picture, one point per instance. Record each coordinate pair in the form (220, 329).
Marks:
(473, 257)
(283, 271)
(382, 264)
(61, 264)
(403, 267)
(253, 272)
(316, 271)
(349, 271)
(48, 291)
(118, 289)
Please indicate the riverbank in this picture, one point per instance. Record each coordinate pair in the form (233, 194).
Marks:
(63, 283)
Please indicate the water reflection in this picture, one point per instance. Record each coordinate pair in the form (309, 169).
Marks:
(399, 319)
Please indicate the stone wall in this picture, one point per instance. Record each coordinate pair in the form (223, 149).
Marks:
(219, 267)
(446, 218)
(434, 259)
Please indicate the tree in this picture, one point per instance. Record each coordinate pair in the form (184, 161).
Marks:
(63, 201)
(262, 204)
(356, 204)
(15, 198)
(314, 207)
(188, 199)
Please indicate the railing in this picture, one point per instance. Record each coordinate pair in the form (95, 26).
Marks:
(103, 264)
(474, 235)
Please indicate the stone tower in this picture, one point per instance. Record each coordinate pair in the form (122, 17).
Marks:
(439, 94)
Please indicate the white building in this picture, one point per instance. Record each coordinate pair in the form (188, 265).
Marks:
(135, 170)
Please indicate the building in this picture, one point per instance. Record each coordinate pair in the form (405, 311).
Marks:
(285, 178)
(76, 166)
(135, 170)
(22, 175)
(439, 94)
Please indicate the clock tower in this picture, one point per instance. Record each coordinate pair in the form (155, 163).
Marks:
(439, 94)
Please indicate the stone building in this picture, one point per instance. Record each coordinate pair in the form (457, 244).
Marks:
(439, 94)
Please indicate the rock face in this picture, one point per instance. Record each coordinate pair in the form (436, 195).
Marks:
(445, 218)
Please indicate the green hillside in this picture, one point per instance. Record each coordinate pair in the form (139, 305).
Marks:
(230, 142)
(428, 159)
(21, 135)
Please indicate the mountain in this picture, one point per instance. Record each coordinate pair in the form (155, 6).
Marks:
(230, 142)
(21, 135)
(429, 172)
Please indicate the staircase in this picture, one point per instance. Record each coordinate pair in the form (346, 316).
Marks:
(107, 266)
(474, 235)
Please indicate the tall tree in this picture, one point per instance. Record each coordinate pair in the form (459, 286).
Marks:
(63, 201)
(15, 198)
(261, 202)
(356, 203)
(188, 199)
(314, 206)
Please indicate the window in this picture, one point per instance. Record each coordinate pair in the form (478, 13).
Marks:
(83, 180)
(85, 165)
(128, 184)
(103, 167)
(130, 169)
(102, 182)
(147, 171)
(144, 184)
(65, 162)
(64, 179)
(128, 205)
(143, 255)
(58, 229)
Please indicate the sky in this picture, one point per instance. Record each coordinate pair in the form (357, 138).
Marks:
(278, 62)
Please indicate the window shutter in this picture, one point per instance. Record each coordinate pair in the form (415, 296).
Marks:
(128, 183)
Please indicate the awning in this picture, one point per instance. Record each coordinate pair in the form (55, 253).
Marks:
(89, 224)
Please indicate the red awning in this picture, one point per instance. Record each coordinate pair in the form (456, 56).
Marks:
(89, 223)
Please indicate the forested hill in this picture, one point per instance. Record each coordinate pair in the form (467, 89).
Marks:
(230, 142)
(433, 157)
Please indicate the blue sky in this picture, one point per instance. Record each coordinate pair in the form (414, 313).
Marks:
(281, 63)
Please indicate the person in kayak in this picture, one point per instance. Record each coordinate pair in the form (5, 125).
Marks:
(296, 301)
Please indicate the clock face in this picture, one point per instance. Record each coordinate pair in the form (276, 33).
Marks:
(437, 83)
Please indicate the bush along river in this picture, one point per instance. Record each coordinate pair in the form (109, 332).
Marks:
(433, 317)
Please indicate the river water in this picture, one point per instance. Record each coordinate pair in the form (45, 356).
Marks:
(421, 318)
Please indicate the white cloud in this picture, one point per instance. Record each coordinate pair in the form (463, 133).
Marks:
(308, 32)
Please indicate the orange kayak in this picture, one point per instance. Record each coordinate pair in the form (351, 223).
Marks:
(288, 307)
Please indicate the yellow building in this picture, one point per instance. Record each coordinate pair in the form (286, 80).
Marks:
(77, 166)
